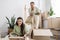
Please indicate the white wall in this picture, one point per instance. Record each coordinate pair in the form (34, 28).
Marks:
(45, 5)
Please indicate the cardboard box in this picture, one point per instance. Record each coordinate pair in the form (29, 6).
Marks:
(41, 38)
(16, 38)
(42, 34)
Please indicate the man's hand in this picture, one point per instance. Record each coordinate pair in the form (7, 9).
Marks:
(37, 13)
(31, 14)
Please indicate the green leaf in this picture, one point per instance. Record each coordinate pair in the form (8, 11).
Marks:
(12, 23)
(8, 21)
(51, 12)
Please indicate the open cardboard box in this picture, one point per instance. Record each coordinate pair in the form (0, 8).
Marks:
(16, 38)
(42, 34)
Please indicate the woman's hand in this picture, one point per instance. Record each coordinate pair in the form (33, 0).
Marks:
(25, 36)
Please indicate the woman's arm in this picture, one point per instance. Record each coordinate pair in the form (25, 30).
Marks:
(28, 30)
(14, 31)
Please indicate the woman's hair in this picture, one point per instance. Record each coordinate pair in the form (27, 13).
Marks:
(22, 26)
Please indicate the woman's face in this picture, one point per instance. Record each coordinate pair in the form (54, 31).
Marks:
(19, 21)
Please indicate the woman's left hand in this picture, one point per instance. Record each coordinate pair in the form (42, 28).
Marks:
(25, 35)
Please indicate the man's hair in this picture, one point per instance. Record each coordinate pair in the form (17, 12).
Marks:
(31, 2)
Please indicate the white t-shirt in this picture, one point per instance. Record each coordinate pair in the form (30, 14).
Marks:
(36, 10)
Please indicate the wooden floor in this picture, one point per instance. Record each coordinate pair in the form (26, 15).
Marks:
(31, 39)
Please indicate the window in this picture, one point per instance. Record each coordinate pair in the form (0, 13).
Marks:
(56, 7)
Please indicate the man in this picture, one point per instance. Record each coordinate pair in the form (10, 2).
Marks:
(35, 13)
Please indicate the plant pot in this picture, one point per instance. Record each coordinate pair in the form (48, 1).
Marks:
(10, 30)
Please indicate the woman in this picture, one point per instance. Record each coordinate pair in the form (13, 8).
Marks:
(19, 28)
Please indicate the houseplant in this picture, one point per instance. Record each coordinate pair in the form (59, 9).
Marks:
(11, 23)
(51, 12)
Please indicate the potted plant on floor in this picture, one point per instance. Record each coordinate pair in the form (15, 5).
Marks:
(11, 23)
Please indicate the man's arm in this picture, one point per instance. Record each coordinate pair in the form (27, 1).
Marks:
(37, 11)
(30, 14)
